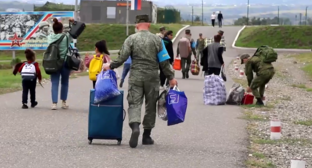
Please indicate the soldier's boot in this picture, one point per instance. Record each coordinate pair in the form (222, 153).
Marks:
(135, 135)
(183, 75)
(187, 75)
(147, 139)
(259, 102)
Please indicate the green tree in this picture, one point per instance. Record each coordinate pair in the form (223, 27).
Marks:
(197, 19)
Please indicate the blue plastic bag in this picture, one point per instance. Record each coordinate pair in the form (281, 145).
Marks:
(106, 86)
(176, 106)
(163, 54)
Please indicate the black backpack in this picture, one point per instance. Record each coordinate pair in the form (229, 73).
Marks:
(52, 61)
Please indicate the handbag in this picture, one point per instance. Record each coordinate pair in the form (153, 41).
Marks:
(176, 104)
(177, 64)
(222, 74)
(73, 58)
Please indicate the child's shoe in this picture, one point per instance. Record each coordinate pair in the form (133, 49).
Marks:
(24, 106)
(64, 105)
(53, 106)
(34, 104)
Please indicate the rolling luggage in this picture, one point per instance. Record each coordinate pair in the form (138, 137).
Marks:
(106, 118)
(76, 29)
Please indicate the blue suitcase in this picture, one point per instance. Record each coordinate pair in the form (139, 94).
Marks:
(106, 119)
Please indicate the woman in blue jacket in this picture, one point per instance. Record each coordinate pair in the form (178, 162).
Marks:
(126, 69)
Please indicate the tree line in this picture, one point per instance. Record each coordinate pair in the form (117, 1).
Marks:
(267, 21)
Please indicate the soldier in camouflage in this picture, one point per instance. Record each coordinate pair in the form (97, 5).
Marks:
(200, 45)
(143, 47)
(264, 73)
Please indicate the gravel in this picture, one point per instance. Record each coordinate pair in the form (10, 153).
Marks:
(287, 97)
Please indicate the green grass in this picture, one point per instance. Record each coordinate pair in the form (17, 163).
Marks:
(114, 34)
(276, 36)
(253, 163)
(249, 115)
(304, 122)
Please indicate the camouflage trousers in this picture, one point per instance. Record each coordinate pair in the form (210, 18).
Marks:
(258, 84)
(138, 90)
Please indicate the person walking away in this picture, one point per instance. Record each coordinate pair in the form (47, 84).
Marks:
(220, 32)
(162, 32)
(220, 19)
(143, 47)
(264, 73)
(30, 72)
(212, 59)
(95, 64)
(169, 47)
(200, 45)
(126, 69)
(65, 71)
(213, 19)
(185, 52)
(193, 49)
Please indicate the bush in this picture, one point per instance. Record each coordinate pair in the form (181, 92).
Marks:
(15, 61)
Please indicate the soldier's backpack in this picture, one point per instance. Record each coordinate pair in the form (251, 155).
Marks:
(28, 71)
(266, 53)
(95, 66)
(184, 47)
(52, 61)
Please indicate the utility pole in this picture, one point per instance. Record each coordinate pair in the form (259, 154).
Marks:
(127, 19)
(306, 16)
(278, 19)
(202, 12)
(76, 10)
(192, 15)
(247, 12)
(300, 18)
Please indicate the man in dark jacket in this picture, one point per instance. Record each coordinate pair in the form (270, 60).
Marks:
(220, 18)
(212, 59)
(169, 47)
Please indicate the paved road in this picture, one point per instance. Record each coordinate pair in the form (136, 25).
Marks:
(211, 137)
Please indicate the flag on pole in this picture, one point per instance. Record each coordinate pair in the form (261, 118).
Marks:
(136, 4)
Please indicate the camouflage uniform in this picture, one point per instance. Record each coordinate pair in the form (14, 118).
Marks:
(264, 73)
(143, 47)
(200, 45)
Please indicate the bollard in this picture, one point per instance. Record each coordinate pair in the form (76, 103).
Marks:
(275, 125)
(241, 73)
(297, 164)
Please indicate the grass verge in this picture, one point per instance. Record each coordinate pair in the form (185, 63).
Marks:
(114, 34)
(304, 122)
(276, 36)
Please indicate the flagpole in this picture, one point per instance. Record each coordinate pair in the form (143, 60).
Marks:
(127, 18)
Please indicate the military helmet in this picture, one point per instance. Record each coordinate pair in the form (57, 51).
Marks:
(141, 19)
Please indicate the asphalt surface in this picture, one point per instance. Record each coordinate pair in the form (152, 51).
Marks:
(210, 137)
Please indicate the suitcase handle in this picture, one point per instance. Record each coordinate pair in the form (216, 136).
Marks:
(124, 111)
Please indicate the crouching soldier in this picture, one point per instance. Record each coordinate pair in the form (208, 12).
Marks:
(262, 66)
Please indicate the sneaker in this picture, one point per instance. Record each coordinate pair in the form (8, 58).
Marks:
(34, 104)
(53, 106)
(64, 105)
(24, 106)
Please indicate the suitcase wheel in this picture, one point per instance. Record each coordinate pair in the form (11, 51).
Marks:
(90, 141)
(119, 142)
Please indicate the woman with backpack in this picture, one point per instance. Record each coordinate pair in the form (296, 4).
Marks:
(64, 72)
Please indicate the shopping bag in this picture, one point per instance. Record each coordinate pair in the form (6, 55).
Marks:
(195, 69)
(177, 64)
(106, 86)
(163, 54)
(176, 106)
(162, 110)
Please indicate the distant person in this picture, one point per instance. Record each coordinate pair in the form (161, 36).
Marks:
(212, 59)
(200, 45)
(169, 46)
(185, 52)
(30, 72)
(220, 19)
(162, 32)
(213, 19)
(193, 48)
(264, 73)
(126, 69)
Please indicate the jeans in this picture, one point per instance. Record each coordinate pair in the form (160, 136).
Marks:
(29, 86)
(55, 80)
(213, 22)
(125, 71)
(220, 23)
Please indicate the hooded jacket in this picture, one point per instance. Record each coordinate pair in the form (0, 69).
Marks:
(63, 45)
(169, 48)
